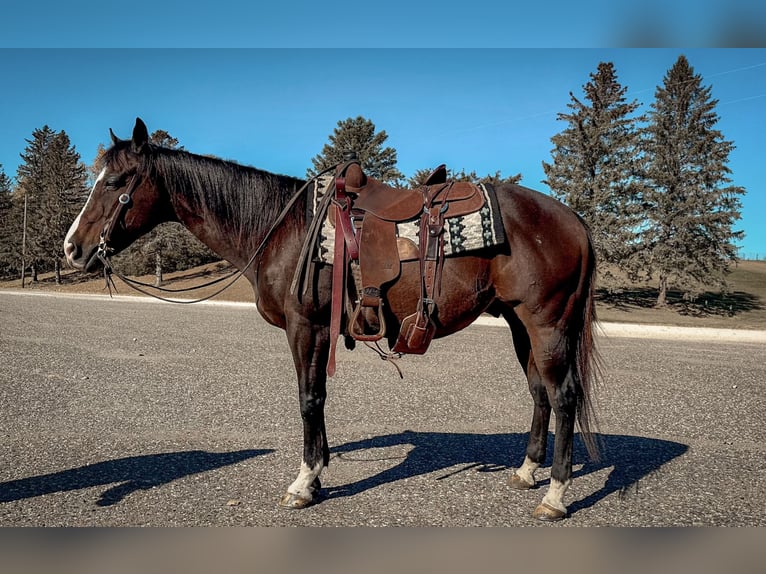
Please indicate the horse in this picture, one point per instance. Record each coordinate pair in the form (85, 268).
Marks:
(541, 282)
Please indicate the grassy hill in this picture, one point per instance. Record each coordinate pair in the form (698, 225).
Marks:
(743, 307)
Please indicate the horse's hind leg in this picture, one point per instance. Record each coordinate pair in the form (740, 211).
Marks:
(549, 349)
(310, 347)
(545, 356)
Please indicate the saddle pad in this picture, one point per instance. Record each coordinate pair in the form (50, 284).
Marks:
(462, 234)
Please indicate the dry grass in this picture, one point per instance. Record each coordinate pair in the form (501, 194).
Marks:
(76, 282)
(743, 307)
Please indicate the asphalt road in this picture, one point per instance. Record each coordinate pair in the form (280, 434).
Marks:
(131, 412)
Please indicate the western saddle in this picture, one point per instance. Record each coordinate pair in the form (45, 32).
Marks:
(366, 212)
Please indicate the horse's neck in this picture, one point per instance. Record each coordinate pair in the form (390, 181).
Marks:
(233, 238)
(207, 234)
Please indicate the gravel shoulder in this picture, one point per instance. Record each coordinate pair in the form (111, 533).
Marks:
(669, 332)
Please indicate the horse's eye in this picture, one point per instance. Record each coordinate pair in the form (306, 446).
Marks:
(114, 182)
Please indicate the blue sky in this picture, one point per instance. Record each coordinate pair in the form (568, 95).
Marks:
(473, 109)
(476, 86)
(394, 23)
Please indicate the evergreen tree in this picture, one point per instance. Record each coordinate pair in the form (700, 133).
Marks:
(164, 139)
(597, 165)
(52, 179)
(13, 224)
(94, 169)
(8, 250)
(497, 179)
(358, 135)
(66, 181)
(419, 177)
(688, 239)
(30, 193)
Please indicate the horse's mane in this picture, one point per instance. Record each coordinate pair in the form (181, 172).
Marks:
(241, 199)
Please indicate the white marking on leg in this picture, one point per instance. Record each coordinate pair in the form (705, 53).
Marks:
(76, 223)
(302, 485)
(527, 470)
(555, 495)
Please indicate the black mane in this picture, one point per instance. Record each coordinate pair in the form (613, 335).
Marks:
(241, 199)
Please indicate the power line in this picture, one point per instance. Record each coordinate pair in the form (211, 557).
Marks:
(633, 93)
(693, 79)
(745, 99)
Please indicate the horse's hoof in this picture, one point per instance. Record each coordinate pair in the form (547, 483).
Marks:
(547, 513)
(519, 483)
(295, 502)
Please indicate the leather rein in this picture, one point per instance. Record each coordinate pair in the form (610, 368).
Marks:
(125, 201)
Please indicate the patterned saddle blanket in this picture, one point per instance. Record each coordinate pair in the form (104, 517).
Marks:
(462, 234)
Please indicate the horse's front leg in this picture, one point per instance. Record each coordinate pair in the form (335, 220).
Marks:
(310, 346)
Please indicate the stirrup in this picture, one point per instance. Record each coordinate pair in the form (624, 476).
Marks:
(362, 336)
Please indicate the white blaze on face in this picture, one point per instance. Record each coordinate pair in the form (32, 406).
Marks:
(76, 223)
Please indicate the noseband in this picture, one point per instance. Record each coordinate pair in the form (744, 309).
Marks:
(122, 205)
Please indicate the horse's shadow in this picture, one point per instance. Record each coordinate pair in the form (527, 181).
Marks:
(631, 457)
(131, 473)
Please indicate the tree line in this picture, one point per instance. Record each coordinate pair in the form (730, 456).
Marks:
(52, 184)
(654, 188)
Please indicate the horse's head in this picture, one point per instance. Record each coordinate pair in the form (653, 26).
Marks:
(124, 204)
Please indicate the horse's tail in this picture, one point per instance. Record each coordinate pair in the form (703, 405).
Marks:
(588, 364)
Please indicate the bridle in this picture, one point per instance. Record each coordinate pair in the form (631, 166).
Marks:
(125, 201)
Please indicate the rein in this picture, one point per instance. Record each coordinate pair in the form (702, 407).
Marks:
(123, 203)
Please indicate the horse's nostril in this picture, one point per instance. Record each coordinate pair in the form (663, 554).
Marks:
(71, 250)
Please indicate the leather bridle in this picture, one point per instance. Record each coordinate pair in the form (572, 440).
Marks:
(124, 201)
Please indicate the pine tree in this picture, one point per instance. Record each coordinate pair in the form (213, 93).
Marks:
(52, 179)
(30, 194)
(358, 135)
(94, 169)
(597, 165)
(688, 239)
(13, 224)
(419, 177)
(7, 227)
(164, 139)
(66, 180)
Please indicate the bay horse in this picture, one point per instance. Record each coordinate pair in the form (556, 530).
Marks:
(541, 282)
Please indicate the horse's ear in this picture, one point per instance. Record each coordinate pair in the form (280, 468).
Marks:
(140, 136)
(115, 139)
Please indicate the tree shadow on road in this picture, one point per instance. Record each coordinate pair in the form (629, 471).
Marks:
(131, 473)
(706, 304)
(630, 457)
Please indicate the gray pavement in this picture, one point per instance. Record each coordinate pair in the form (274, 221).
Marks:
(132, 412)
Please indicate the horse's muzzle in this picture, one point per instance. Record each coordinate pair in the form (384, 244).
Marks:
(78, 259)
